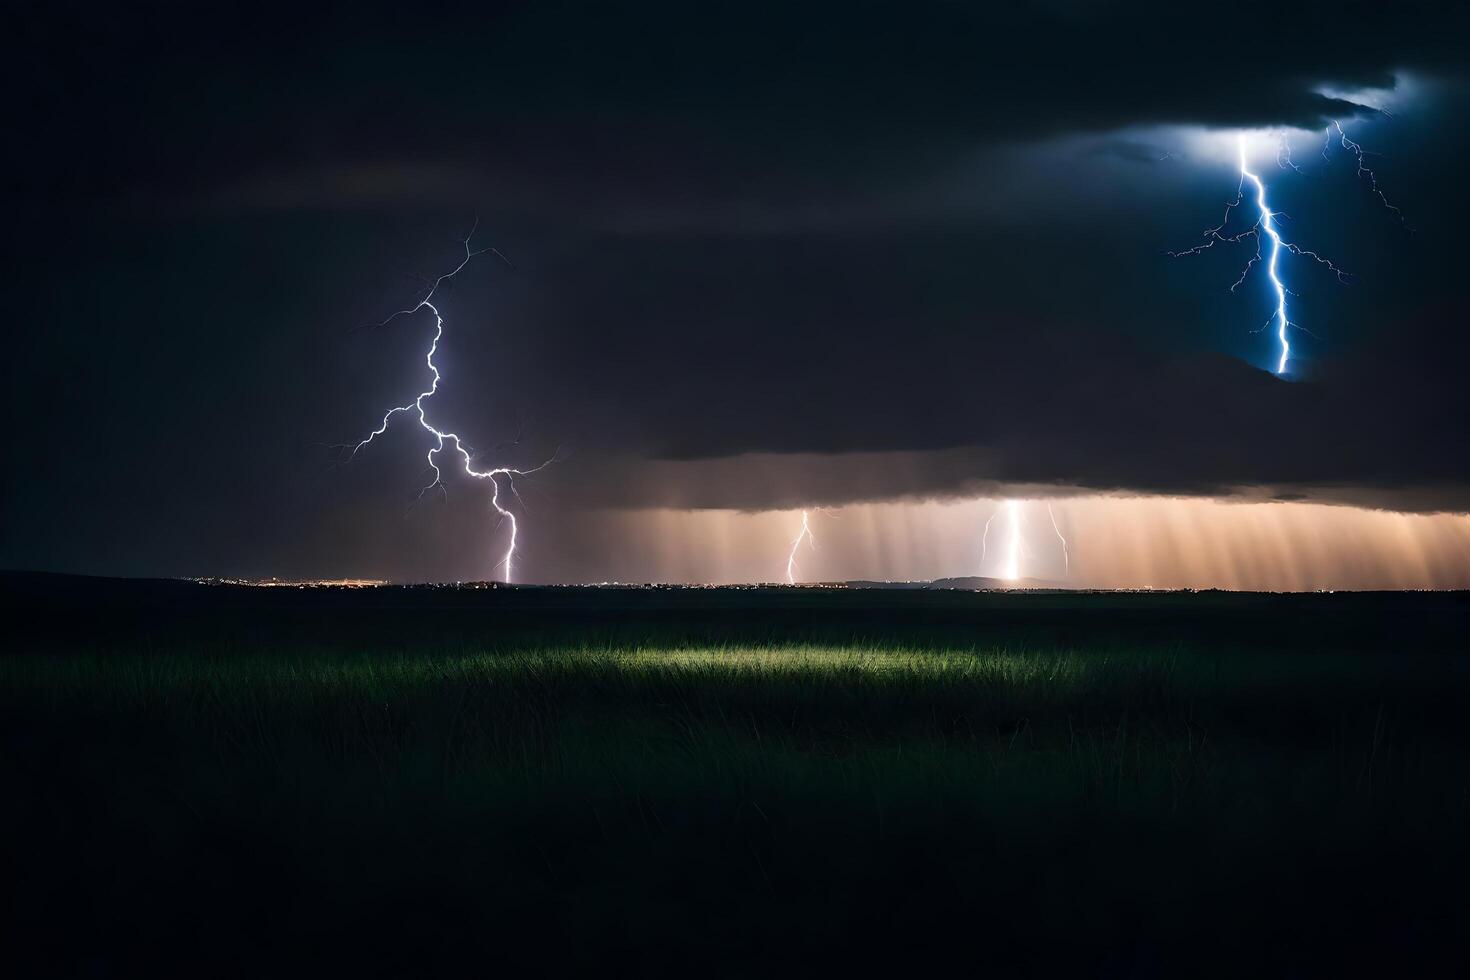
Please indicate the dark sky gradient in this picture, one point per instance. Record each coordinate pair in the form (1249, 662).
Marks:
(931, 232)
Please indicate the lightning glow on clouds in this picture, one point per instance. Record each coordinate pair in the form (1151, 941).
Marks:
(1131, 542)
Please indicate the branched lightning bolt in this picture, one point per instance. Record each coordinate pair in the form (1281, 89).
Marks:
(805, 534)
(1264, 226)
(1283, 157)
(1365, 172)
(443, 436)
(1267, 225)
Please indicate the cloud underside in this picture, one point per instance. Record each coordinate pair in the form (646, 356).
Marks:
(765, 481)
(1255, 438)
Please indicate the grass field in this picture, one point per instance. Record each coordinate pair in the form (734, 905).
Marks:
(402, 782)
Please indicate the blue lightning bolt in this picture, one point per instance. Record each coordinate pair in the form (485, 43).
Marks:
(1264, 226)
(1267, 226)
(443, 437)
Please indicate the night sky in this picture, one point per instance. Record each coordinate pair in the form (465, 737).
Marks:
(764, 257)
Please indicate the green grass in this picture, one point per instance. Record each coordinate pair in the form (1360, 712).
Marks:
(571, 799)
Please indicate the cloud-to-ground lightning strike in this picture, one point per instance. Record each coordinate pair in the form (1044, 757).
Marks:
(1011, 560)
(443, 436)
(1066, 554)
(1011, 569)
(1264, 225)
(805, 534)
(1011, 563)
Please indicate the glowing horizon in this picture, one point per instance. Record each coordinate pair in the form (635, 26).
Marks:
(1103, 542)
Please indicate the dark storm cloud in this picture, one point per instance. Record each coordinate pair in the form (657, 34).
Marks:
(1377, 429)
(764, 255)
(587, 104)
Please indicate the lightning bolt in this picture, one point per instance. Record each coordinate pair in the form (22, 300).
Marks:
(1066, 556)
(443, 437)
(1264, 227)
(1365, 173)
(1283, 157)
(1011, 560)
(805, 534)
(1267, 225)
(1011, 569)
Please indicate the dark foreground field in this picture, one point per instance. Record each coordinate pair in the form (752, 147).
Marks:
(411, 782)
